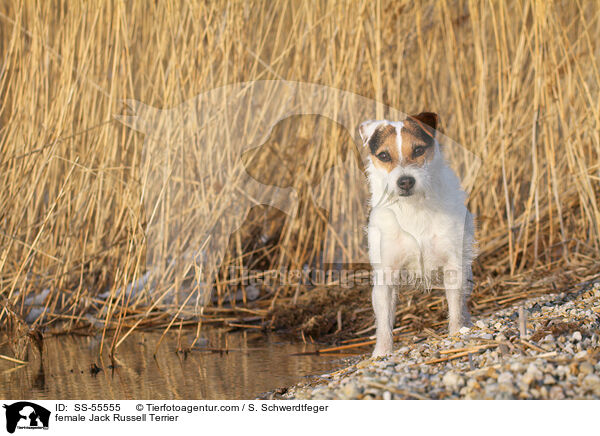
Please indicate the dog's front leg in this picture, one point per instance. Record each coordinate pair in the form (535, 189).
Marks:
(458, 286)
(383, 227)
(384, 307)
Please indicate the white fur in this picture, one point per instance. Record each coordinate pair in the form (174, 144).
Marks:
(417, 234)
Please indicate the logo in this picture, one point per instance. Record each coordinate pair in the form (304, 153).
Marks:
(26, 415)
(186, 166)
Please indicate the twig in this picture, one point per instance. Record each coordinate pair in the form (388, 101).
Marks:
(12, 359)
(432, 333)
(332, 349)
(476, 347)
(245, 326)
(457, 355)
(533, 346)
(339, 321)
(522, 322)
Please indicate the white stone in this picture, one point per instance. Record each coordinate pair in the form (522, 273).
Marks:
(591, 381)
(577, 336)
(350, 390)
(505, 377)
(452, 380)
(527, 378)
(557, 393)
(586, 368)
(516, 366)
(535, 372)
(548, 338)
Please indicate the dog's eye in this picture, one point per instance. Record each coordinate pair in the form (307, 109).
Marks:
(384, 156)
(418, 151)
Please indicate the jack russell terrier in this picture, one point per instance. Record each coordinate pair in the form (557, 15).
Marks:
(419, 224)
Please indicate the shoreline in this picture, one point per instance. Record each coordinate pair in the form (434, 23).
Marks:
(543, 348)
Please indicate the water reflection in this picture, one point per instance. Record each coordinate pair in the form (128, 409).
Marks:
(257, 363)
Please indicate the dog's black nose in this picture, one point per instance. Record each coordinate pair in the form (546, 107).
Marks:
(406, 183)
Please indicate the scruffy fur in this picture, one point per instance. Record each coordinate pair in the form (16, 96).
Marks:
(419, 225)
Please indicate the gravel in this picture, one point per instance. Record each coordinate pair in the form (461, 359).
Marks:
(557, 358)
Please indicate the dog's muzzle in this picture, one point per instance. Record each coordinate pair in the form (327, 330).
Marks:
(405, 183)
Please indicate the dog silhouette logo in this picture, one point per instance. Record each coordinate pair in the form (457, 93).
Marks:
(197, 192)
(26, 415)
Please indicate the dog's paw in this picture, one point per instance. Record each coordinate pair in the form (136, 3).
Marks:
(381, 351)
(453, 328)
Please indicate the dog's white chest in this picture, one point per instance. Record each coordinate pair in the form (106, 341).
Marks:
(410, 239)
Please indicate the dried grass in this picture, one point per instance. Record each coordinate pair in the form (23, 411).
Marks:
(516, 83)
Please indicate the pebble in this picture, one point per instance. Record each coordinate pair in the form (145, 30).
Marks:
(566, 367)
(453, 380)
(556, 393)
(535, 372)
(591, 382)
(350, 390)
(516, 366)
(527, 379)
(586, 368)
(592, 379)
(505, 377)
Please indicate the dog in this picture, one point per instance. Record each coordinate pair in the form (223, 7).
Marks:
(418, 225)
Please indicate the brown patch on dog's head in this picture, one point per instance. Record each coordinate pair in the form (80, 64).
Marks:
(418, 139)
(383, 147)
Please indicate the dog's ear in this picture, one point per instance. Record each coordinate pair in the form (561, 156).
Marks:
(428, 118)
(367, 129)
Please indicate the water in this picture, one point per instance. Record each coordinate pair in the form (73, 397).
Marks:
(256, 364)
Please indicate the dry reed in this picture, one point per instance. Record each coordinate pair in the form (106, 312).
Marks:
(516, 83)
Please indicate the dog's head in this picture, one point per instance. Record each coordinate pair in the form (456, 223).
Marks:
(403, 154)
